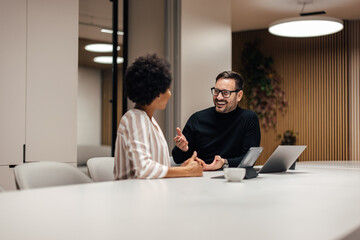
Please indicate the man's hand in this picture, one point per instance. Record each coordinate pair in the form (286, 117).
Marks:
(215, 165)
(180, 141)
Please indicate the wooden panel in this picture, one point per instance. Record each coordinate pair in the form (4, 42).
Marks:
(106, 106)
(12, 81)
(354, 89)
(314, 72)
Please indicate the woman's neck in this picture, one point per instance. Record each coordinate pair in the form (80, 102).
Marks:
(146, 108)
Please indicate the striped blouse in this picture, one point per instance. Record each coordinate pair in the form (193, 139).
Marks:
(141, 150)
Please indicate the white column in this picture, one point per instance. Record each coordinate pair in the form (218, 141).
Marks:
(146, 35)
(205, 51)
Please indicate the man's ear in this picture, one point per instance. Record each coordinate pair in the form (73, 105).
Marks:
(239, 95)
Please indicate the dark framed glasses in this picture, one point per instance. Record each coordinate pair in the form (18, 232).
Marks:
(225, 93)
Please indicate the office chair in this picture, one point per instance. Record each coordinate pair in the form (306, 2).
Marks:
(85, 152)
(101, 168)
(47, 174)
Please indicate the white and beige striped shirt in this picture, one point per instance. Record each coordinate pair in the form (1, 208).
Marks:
(141, 150)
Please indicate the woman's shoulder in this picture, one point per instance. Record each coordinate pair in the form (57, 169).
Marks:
(133, 115)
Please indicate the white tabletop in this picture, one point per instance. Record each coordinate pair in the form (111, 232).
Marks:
(313, 202)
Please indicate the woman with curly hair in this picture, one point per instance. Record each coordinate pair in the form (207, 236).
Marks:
(141, 150)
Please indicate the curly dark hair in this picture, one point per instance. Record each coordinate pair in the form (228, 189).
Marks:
(146, 78)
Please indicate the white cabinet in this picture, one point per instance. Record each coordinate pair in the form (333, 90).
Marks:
(38, 80)
(7, 178)
(51, 99)
(12, 81)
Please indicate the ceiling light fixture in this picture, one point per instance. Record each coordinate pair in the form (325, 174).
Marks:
(107, 60)
(100, 47)
(308, 25)
(105, 30)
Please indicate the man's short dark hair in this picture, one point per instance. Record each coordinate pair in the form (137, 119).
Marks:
(232, 75)
(147, 78)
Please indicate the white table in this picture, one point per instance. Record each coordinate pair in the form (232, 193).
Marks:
(317, 201)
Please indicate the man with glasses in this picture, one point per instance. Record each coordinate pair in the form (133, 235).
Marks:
(222, 134)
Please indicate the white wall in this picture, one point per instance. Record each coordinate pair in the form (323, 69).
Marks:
(89, 107)
(205, 46)
(205, 51)
(146, 35)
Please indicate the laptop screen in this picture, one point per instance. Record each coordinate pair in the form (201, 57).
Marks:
(282, 158)
(251, 157)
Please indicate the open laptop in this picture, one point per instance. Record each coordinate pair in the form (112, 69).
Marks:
(282, 158)
(251, 156)
(249, 160)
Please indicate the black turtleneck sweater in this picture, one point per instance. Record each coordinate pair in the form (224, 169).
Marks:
(229, 135)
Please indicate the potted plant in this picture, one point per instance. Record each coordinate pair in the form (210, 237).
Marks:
(262, 86)
(288, 138)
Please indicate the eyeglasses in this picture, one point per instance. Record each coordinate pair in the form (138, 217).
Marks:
(224, 93)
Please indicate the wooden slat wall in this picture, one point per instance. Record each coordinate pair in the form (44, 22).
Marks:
(354, 89)
(106, 106)
(315, 79)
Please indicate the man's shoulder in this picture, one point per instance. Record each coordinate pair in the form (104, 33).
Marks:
(204, 112)
(247, 113)
(248, 116)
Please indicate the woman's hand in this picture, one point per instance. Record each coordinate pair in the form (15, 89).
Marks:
(194, 165)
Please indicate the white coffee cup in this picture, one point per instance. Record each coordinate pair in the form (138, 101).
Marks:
(234, 174)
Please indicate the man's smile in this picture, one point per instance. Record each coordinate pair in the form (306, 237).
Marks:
(220, 103)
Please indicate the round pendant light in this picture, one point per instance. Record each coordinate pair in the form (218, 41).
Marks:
(308, 26)
(100, 47)
(107, 59)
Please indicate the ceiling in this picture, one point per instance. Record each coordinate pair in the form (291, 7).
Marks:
(258, 14)
(245, 15)
(92, 15)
